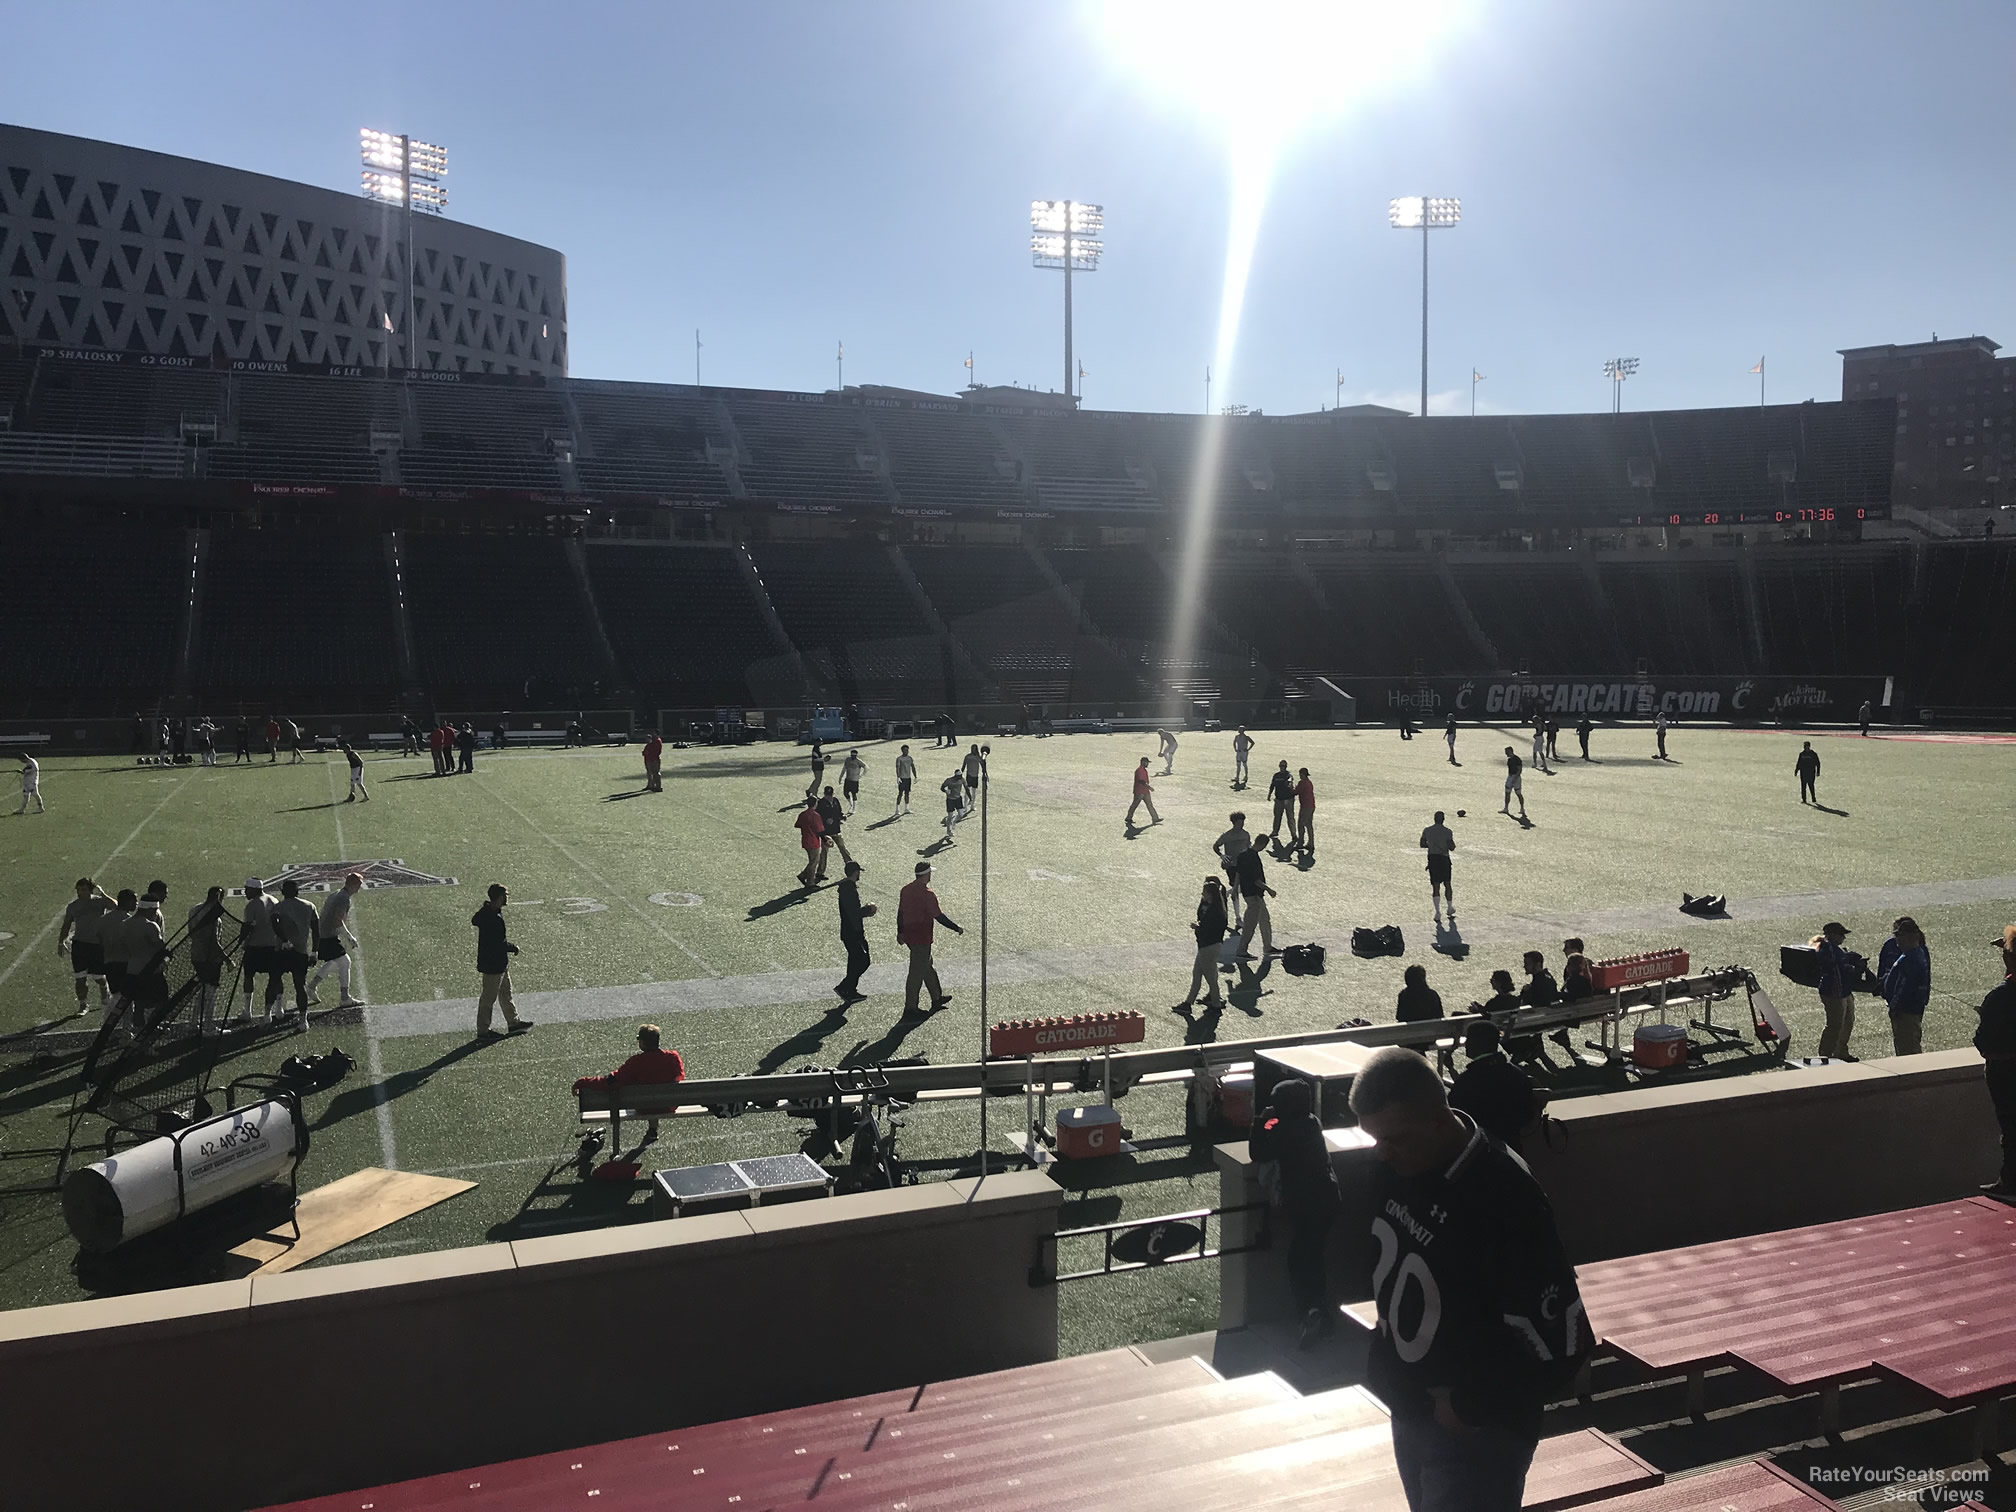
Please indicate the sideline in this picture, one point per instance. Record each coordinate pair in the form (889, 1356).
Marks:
(1088, 963)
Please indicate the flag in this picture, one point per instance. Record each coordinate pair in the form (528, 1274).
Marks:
(1475, 376)
(1760, 366)
(840, 351)
(388, 321)
(969, 362)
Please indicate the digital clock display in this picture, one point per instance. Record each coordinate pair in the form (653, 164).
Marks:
(1826, 514)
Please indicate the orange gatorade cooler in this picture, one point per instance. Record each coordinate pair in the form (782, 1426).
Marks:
(1659, 1047)
(1084, 1132)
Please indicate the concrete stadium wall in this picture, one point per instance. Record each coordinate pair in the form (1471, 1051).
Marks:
(1663, 1167)
(243, 1393)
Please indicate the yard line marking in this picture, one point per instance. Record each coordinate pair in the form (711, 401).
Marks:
(381, 1107)
(36, 943)
(608, 888)
(1092, 965)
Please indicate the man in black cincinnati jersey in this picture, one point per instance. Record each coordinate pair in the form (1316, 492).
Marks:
(1480, 1322)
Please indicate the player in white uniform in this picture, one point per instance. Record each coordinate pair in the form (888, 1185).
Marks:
(1242, 747)
(906, 773)
(31, 785)
(1539, 743)
(1166, 749)
(850, 780)
(334, 936)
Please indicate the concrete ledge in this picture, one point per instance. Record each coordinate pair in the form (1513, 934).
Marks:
(424, 1363)
(1702, 1161)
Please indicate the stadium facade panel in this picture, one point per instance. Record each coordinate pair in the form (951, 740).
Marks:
(104, 247)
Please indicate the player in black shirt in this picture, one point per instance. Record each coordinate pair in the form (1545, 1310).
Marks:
(1492, 1090)
(1515, 783)
(1281, 788)
(1480, 1322)
(1807, 766)
(1288, 1133)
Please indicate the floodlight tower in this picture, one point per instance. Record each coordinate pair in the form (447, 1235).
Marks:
(1064, 234)
(401, 171)
(1430, 214)
(1617, 369)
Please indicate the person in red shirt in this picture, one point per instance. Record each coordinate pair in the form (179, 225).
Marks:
(649, 1067)
(1305, 814)
(435, 747)
(654, 753)
(916, 912)
(812, 836)
(272, 740)
(1143, 793)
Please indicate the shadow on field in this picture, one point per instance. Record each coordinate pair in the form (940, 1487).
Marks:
(583, 1203)
(805, 1042)
(1449, 941)
(792, 899)
(363, 1099)
(1838, 813)
(311, 808)
(619, 797)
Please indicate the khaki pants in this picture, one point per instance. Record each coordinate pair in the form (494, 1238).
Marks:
(1305, 830)
(496, 991)
(1840, 1025)
(1284, 813)
(1907, 1032)
(1204, 974)
(1257, 919)
(922, 974)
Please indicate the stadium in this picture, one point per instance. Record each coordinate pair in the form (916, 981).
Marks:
(1025, 1242)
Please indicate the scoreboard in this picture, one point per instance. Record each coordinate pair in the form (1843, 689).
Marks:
(1829, 514)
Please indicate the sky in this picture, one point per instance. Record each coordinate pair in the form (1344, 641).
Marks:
(1696, 184)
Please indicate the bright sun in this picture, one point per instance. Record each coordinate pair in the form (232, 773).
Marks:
(1265, 69)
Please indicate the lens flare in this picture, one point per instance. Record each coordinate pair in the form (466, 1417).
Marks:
(1262, 73)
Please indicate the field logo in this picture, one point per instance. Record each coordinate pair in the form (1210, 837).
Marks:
(1801, 696)
(327, 876)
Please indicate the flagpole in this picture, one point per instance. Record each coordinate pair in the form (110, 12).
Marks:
(1760, 383)
(840, 364)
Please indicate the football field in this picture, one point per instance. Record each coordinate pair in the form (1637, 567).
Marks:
(683, 909)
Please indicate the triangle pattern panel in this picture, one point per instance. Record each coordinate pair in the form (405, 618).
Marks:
(94, 254)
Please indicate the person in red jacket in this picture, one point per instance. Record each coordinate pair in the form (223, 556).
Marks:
(649, 1067)
(654, 753)
(812, 837)
(1305, 821)
(917, 912)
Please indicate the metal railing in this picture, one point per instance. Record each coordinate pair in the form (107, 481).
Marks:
(1171, 1239)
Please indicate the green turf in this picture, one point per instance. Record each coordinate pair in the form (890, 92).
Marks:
(584, 861)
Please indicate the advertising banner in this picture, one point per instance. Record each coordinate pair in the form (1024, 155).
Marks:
(1430, 700)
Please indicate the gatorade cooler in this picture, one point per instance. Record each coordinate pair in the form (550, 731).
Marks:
(1659, 1047)
(1085, 1132)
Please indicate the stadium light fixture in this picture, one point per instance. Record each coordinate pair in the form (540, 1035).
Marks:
(1617, 369)
(1426, 212)
(400, 171)
(1066, 234)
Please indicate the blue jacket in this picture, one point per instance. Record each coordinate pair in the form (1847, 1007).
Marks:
(1907, 982)
(1837, 971)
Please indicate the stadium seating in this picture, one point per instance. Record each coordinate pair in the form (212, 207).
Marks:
(807, 454)
(683, 622)
(650, 439)
(1105, 1431)
(257, 649)
(92, 617)
(497, 619)
(488, 437)
(1680, 618)
(847, 602)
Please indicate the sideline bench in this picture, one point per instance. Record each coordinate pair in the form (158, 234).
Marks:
(36, 738)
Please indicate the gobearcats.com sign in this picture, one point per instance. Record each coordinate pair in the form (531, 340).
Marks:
(1735, 698)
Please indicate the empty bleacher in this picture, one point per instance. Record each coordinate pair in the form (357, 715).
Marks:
(1020, 629)
(301, 429)
(1541, 614)
(683, 621)
(1104, 1433)
(946, 461)
(846, 602)
(807, 453)
(1386, 616)
(640, 438)
(485, 437)
(295, 619)
(92, 617)
(492, 615)
(1680, 617)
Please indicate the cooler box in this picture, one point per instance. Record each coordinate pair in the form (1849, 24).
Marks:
(1085, 1132)
(1659, 1047)
(1235, 1096)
